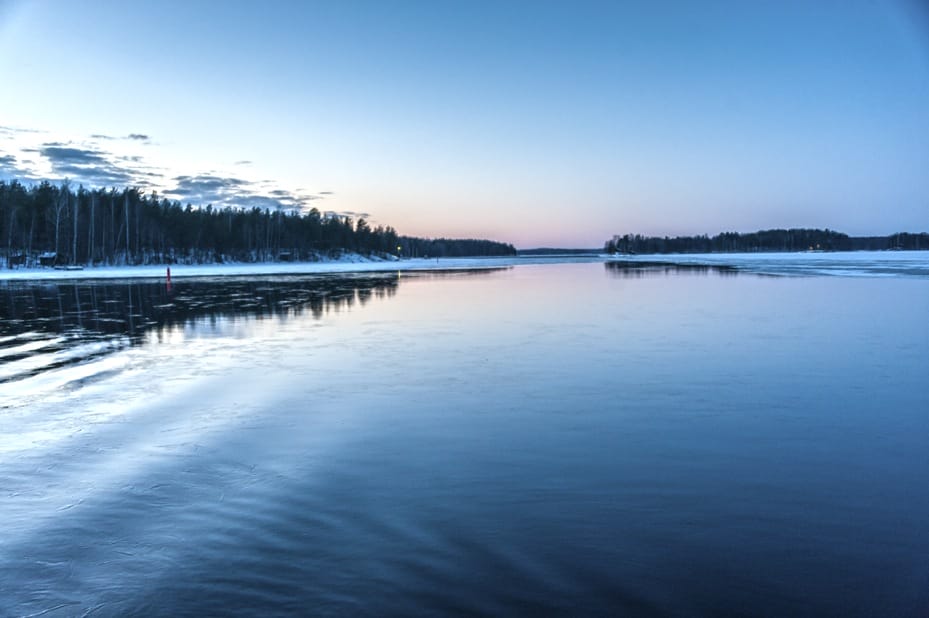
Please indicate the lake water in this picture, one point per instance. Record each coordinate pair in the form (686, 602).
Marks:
(574, 439)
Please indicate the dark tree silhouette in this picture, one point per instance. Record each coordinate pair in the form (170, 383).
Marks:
(45, 223)
(765, 240)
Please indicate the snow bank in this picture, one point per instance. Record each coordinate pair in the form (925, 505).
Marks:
(347, 263)
(852, 263)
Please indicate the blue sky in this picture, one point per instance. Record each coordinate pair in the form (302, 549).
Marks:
(535, 123)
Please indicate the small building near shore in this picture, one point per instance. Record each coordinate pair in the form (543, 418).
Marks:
(49, 258)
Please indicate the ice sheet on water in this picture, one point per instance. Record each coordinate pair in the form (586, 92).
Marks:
(839, 264)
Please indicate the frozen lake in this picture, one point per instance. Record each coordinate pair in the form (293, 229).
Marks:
(581, 438)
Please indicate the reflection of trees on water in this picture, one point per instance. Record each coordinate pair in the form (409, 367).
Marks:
(635, 269)
(50, 326)
(135, 307)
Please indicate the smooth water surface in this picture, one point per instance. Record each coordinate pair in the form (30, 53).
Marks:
(575, 439)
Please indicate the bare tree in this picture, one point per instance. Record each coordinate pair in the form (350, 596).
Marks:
(64, 195)
(74, 214)
(90, 228)
(126, 202)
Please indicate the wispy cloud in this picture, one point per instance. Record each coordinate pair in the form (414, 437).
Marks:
(13, 130)
(8, 166)
(236, 192)
(351, 214)
(60, 153)
(138, 137)
(94, 167)
(13, 169)
(102, 160)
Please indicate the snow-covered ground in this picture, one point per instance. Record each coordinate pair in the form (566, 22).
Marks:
(349, 263)
(853, 263)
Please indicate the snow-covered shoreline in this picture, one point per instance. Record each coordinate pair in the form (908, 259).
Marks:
(348, 263)
(853, 263)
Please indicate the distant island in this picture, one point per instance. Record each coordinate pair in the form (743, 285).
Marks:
(555, 251)
(767, 241)
(56, 225)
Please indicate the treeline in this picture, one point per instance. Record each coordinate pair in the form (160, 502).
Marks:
(453, 247)
(766, 240)
(52, 224)
(554, 251)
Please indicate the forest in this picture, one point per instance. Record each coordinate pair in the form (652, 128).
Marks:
(767, 240)
(55, 225)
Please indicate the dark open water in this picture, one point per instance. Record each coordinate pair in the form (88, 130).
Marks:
(579, 439)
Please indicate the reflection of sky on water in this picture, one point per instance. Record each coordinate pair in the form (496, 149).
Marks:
(61, 336)
(676, 443)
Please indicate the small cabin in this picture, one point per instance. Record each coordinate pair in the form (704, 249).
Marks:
(16, 260)
(49, 258)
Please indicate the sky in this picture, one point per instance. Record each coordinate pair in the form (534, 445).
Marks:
(537, 123)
